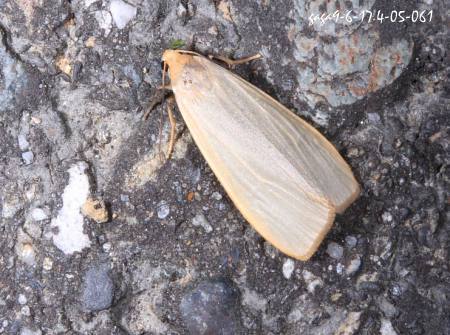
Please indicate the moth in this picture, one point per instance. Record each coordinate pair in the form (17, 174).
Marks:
(285, 178)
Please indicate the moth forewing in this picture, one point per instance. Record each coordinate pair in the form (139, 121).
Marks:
(285, 178)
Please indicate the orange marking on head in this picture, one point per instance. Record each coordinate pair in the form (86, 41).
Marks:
(176, 60)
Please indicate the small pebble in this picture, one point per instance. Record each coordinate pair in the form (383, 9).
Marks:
(387, 217)
(288, 268)
(38, 214)
(351, 241)
(27, 254)
(25, 310)
(336, 296)
(122, 13)
(216, 196)
(106, 247)
(28, 157)
(396, 290)
(200, 220)
(190, 196)
(353, 266)
(387, 328)
(312, 281)
(47, 264)
(339, 268)
(212, 308)
(95, 209)
(334, 250)
(22, 299)
(374, 118)
(163, 209)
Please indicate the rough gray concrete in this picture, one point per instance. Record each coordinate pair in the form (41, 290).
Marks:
(75, 79)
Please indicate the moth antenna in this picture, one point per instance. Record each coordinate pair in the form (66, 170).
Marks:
(233, 62)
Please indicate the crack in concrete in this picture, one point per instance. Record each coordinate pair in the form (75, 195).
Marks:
(5, 38)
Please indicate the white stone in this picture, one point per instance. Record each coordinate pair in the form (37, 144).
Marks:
(27, 254)
(288, 268)
(353, 266)
(339, 268)
(387, 328)
(122, 13)
(163, 209)
(104, 20)
(22, 299)
(23, 142)
(28, 157)
(216, 196)
(106, 247)
(387, 217)
(200, 220)
(38, 214)
(70, 236)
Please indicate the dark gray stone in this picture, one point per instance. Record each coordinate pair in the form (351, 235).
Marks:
(98, 288)
(212, 308)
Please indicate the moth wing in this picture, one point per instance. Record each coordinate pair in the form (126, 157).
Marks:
(285, 178)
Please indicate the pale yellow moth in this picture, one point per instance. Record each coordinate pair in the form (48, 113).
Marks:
(285, 178)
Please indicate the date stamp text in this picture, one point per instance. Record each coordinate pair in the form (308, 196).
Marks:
(399, 16)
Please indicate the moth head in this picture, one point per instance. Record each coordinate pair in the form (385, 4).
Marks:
(175, 61)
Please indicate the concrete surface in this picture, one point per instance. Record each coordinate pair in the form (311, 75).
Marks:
(175, 256)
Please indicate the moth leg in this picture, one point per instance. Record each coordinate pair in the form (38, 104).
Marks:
(156, 99)
(173, 125)
(233, 62)
(165, 87)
